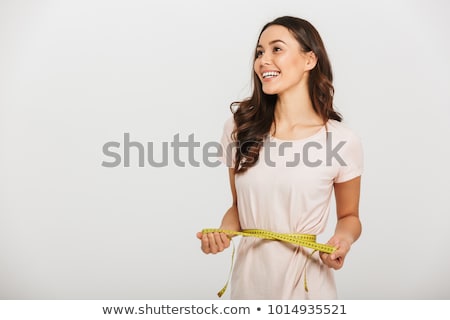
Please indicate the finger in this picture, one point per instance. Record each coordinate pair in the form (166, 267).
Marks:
(337, 264)
(212, 243)
(200, 235)
(219, 241)
(330, 263)
(340, 252)
(334, 242)
(225, 240)
(205, 244)
(324, 256)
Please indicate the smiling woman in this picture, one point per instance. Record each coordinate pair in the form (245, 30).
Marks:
(292, 102)
(76, 75)
(280, 58)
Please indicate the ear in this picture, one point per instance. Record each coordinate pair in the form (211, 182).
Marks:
(311, 60)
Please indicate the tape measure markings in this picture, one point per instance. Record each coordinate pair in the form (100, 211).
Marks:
(299, 239)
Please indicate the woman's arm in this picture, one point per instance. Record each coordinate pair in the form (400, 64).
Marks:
(348, 227)
(217, 242)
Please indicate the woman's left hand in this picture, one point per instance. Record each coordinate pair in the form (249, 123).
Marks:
(336, 259)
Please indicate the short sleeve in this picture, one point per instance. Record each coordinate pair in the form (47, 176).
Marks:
(228, 144)
(353, 159)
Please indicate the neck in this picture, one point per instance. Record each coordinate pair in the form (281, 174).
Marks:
(295, 107)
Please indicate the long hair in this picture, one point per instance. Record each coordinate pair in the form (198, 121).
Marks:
(254, 116)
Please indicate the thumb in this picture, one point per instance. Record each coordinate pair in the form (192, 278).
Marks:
(334, 242)
(200, 235)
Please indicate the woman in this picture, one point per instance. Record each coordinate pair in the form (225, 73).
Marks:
(292, 153)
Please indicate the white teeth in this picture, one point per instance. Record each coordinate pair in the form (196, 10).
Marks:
(270, 74)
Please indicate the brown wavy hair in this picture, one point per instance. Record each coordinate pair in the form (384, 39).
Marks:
(254, 116)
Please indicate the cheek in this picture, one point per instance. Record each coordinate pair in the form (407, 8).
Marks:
(292, 68)
(284, 61)
(256, 70)
(288, 60)
(255, 66)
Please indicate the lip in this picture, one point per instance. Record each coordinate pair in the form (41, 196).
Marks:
(269, 78)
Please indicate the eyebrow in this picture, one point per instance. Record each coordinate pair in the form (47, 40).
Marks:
(271, 42)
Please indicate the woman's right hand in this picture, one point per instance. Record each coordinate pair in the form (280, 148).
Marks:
(213, 242)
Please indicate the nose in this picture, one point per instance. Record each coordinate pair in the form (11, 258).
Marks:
(266, 59)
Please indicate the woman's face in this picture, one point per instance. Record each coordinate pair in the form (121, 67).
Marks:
(280, 63)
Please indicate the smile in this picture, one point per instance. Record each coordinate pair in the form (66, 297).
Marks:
(270, 74)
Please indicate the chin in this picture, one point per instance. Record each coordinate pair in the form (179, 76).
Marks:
(270, 91)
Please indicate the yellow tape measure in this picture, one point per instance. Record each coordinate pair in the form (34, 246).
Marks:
(299, 239)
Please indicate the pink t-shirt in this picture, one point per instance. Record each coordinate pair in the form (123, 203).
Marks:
(289, 191)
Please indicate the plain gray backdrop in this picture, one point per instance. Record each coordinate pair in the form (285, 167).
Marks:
(75, 75)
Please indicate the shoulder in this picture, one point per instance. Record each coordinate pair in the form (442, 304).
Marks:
(346, 147)
(341, 130)
(344, 135)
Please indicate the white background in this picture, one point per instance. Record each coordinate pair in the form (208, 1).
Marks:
(77, 74)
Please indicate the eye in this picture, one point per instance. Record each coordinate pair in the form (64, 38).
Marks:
(276, 49)
(258, 53)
